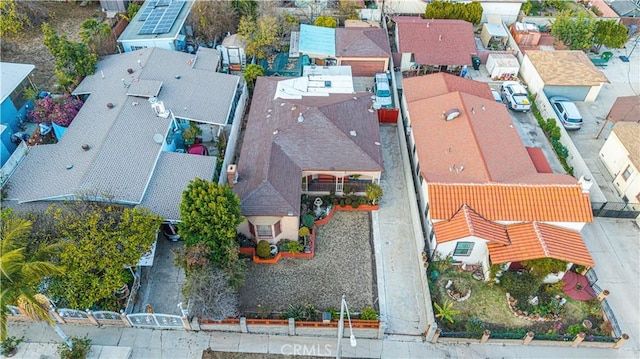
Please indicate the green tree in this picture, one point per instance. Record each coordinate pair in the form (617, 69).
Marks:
(20, 274)
(575, 32)
(251, 73)
(260, 36)
(610, 34)
(211, 20)
(132, 10)
(543, 266)
(374, 192)
(326, 21)
(471, 12)
(347, 10)
(73, 60)
(100, 241)
(210, 214)
(94, 33)
(11, 21)
(245, 7)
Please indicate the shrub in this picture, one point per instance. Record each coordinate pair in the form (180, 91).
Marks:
(60, 111)
(374, 192)
(474, 325)
(80, 350)
(544, 266)
(575, 329)
(264, 249)
(348, 200)
(520, 284)
(295, 246)
(335, 313)
(300, 313)
(308, 220)
(304, 232)
(9, 345)
(369, 313)
(355, 204)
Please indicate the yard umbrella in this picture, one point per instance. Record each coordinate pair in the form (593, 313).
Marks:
(577, 286)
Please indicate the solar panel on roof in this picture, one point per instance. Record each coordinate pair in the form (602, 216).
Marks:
(147, 10)
(163, 3)
(161, 19)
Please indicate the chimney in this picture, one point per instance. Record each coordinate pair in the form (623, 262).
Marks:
(232, 175)
(586, 183)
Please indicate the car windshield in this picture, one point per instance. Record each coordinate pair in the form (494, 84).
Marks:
(574, 120)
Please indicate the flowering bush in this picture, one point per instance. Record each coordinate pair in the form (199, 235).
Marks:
(60, 111)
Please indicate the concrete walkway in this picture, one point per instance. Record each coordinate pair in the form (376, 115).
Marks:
(401, 291)
(170, 344)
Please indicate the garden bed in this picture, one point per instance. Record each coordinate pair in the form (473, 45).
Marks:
(488, 307)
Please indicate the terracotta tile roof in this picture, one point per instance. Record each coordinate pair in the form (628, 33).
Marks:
(512, 202)
(626, 109)
(422, 87)
(277, 148)
(538, 240)
(539, 161)
(465, 150)
(362, 42)
(566, 68)
(604, 9)
(436, 42)
(467, 222)
(628, 133)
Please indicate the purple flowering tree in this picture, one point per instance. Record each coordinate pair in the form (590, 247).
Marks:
(60, 111)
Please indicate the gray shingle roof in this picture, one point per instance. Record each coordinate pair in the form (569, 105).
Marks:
(277, 148)
(123, 157)
(172, 174)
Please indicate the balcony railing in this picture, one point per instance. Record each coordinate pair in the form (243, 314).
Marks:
(319, 186)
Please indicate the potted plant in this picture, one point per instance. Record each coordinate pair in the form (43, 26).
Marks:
(9, 346)
(189, 135)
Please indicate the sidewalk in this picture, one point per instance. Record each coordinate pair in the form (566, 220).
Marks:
(174, 344)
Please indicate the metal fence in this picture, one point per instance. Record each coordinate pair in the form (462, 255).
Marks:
(606, 308)
(154, 320)
(615, 209)
(592, 278)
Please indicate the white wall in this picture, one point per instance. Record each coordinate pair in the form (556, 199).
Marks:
(160, 43)
(234, 135)
(478, 254)
(530, 76)
(616, 159)
(508, 11)
(394, 7)
(593, 93)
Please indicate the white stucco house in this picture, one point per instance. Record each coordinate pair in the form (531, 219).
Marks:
(620, 154)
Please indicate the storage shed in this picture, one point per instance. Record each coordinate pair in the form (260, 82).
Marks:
(502, 66)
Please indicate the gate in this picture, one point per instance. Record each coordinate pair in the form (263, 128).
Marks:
(615, 209)
(592, 278)
(153, 320)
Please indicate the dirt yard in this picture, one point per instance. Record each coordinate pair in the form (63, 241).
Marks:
(27, 47)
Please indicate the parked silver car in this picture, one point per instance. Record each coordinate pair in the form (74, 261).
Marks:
(516, 95)
(567, 112)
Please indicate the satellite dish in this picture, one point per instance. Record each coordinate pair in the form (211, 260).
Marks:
(158, 138)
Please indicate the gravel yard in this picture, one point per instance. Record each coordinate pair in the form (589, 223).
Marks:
(343, 264)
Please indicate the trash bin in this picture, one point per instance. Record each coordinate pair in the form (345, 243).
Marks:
(475, 60)
(606, 55)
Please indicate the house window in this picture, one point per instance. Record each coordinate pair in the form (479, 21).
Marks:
(627, 172)
(463, 249)
(264, 231)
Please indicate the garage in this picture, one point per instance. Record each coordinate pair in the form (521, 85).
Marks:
(573, 93)
(364, 67)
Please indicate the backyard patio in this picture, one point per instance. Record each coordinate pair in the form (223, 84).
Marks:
(343, 264)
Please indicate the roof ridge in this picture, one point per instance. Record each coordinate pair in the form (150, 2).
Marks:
(500, 184)
(540, 238)
(467, 218)
(473, 132)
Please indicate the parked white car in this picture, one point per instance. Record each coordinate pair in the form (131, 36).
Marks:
(567, 112)
(516, 95)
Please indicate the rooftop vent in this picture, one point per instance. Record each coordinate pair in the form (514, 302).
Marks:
(451, 114)
(129, 71)
(110, 105)
(86, 147)
(300, 117)
(353, 133)
(158, 138)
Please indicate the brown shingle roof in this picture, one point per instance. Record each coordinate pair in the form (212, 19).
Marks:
(436, 42)
(566, 68)
(625, 108)
(363, 42)
(277, 147)
(628, 133)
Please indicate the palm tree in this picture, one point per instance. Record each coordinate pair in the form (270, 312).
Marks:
(19, 275)
(37, 308)
(92, 32)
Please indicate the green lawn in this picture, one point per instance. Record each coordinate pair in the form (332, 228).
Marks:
(487, 307)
